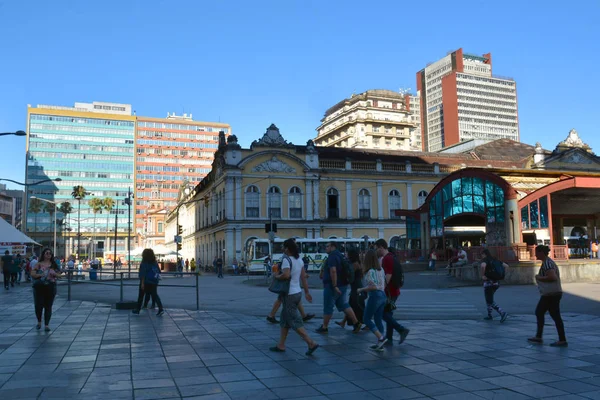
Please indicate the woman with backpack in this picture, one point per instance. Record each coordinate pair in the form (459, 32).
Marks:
(492, 271)
(149, 274)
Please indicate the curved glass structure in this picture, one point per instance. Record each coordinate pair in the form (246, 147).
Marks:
(466, 196)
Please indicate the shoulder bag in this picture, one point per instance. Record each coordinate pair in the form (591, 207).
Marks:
(281, 287)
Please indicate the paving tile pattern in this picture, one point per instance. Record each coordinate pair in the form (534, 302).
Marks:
(95, 352)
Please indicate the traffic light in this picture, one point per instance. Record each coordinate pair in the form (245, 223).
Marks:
(270, 228)
(179, 229)
(178, 246)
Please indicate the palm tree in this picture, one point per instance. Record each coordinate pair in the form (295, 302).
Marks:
(96, 205)
(108, 203)
(78, 194)
(50, 209)
(66, 208)
(35, 207)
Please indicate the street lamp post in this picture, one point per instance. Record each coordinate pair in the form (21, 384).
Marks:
(115, 244)
(17, 133)
(55, 215)
(128, 202)
(31, 184)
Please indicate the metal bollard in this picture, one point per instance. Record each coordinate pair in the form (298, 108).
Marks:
(121, 286)
(69, 286)
(197, 295)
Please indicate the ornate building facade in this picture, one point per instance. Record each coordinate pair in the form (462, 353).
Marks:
(426, 198)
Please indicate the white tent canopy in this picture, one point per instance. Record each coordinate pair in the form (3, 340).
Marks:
(10, 234)
(160, 250)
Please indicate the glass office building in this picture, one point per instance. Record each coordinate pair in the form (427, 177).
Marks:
(91, 145)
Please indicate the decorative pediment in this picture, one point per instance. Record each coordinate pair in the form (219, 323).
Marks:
(272, 138)
(572, 159)
(572, 141)
(274, 165)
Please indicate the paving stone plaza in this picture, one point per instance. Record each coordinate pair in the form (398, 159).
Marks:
(97, 352)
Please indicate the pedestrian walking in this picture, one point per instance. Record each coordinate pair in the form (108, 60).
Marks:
(187, 265)
(490, 274)
(335, 289)
(375, 287)
(15, 270)
(219, 267)
(271, 317)
(357, 302)
(44, 275)
(193, 265)
(548, 281)
(292, 269)
(234, 265)
(394, 278)
(149, 274)
(7, 262)
(31, 266)
(432, 258)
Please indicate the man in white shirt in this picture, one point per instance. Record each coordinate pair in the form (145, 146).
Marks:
(459, 261)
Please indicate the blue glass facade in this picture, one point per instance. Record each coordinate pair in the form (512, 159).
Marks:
(466, 195)
(81, 148)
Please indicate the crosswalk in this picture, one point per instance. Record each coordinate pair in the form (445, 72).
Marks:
(422, 304)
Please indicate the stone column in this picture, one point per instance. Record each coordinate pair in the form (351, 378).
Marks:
(348, 200)
(379, 200)
(239, 246)
(229, 208)
(349, 232)
(238, 198)
(380, 233)
(409, 196)
(512, 226)
(229, 247)
(309, 199)
(316, 193)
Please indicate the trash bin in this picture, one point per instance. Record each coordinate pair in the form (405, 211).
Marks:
(93, 274)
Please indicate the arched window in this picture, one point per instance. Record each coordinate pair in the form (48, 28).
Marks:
(421, 197)
(274, 202)
(364, 204)
(395, 203)
(252, 202)
(295, 202)
(333, 204)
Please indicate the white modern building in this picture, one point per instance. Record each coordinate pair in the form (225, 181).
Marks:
(462, 100)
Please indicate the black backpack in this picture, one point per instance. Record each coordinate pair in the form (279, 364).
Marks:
(494, 270)
(348, 269)
(397, 279)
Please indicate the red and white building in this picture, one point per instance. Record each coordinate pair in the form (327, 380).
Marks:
(462, 100)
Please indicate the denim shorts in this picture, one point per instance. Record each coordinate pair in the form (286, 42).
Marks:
(331, 299)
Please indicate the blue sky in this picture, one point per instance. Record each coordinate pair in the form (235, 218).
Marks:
(253, 63)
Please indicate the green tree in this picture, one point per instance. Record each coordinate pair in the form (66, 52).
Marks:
(35, 207)
(78, 194)
(108, 204)
(96, 205)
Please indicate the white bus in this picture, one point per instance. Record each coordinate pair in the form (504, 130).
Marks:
(258, 249)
